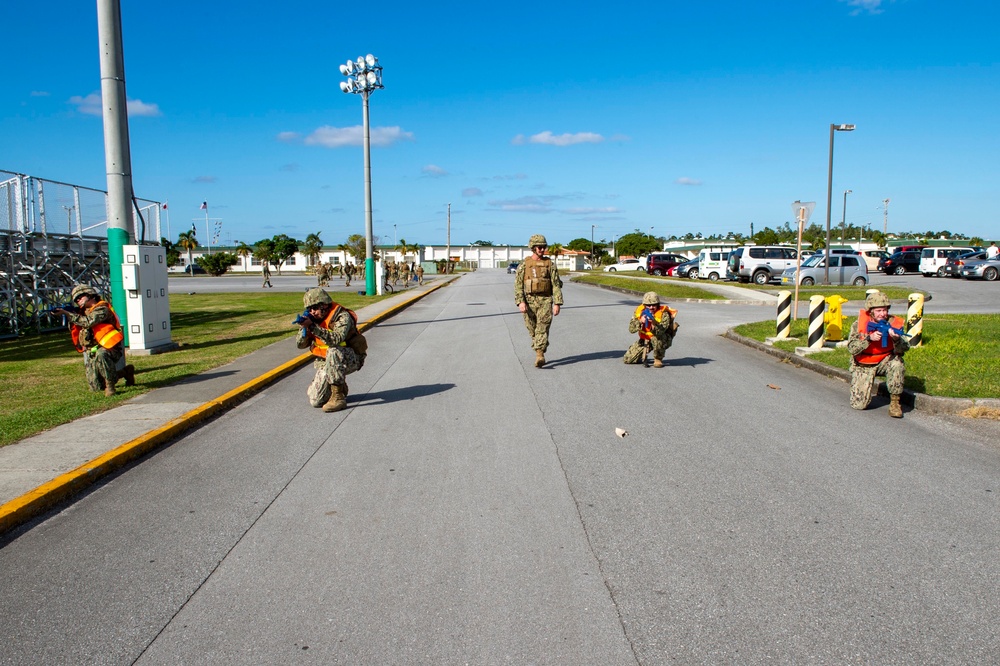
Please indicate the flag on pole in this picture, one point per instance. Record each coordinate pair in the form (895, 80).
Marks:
(193, 230)
(204, 205)
(164, 205)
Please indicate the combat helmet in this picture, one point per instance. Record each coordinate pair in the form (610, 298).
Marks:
(536, 240)
(877, 300)
(651, 298)
(83, 289)
(316, 296)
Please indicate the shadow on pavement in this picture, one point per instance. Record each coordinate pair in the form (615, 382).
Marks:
(690, 361)
(397, 395)
(582, 358)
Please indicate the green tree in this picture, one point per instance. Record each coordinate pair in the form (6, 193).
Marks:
(243, 251)
(312, 248)
(171, 251)
(218, 263)
(355, 246)
(283, 248)
(555, 249)
(637, 244)
(189, 241)
(483, 243)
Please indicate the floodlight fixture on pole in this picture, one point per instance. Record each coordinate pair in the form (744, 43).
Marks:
(364, 76)
(829, 195)
(802, 211)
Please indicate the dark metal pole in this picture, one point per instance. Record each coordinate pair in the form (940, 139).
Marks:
(829, 195)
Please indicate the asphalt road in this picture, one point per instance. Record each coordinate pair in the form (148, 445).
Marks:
(470, 508)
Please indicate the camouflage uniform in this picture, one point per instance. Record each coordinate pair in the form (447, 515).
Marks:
(322, 278)
(419, 272)
(891, 367)
(346, 353)
(267, 276)
(348, 274)
(404, 274)
(538, 313)
(661, 333)
(102, 366)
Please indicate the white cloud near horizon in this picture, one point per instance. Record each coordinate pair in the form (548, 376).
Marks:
(550, 139)
(684, 180)
(472, 192)
(592, 211)
(91, 105)
(434, 171)
(862, 6)
(339, 137)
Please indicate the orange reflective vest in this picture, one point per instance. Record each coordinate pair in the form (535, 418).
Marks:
(646, 332)
(319, 347)
(874, 352)
(107, 335)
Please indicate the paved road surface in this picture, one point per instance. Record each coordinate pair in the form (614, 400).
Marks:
(470, 508)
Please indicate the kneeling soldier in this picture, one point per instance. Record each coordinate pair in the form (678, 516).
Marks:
(330, 332)
(97, 334)
(877, 350)
(656, 328)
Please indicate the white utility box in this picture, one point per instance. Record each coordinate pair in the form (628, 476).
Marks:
(144, 277)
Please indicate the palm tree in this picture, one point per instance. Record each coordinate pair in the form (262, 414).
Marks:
(415, 249)
(243, 251)
(402, 248)
(189, 241)
(555, 249)
(312, 248)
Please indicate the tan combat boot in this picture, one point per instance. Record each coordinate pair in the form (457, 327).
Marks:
(657, 363)
(129, 374)
(539, 358)
(109, 390)
(338, 399)
(895, 409)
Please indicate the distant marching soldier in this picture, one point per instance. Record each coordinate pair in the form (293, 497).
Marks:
(538, 295)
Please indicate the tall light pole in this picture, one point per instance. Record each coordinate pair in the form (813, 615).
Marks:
(364, 77)
(885, 217)
(69, 218)
(593, 261)
(843, 220)
(829, 196)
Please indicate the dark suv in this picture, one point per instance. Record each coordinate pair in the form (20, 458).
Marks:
(661, 262)
(902, 262)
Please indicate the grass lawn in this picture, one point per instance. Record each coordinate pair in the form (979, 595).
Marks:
(42, 384)
(959, 358)
(667, 288)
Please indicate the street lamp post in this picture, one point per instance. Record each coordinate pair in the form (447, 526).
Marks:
(593, 258)
(364, 77)
(843, 219)
(829, 196)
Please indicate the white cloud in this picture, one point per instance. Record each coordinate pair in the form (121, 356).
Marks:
(862, 6)
(684, 180)
(338, 137)
(204, 179)
(472, 192)
(39, 93)
(550, 139)
(91, 105)
(592, 211)
(289, 137)
(433, 171)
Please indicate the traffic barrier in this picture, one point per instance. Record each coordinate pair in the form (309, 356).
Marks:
(834, 318)
(915, 319)
(783, 324)
(816, 305)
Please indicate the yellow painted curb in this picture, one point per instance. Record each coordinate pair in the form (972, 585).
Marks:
(22, 509)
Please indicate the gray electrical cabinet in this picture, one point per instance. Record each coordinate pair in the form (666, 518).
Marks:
(144, 277)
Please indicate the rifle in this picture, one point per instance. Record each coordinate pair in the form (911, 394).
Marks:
(303, 318)
(68, 307)
(883, 327)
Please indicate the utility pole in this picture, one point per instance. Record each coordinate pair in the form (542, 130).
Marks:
(447, 256)
(885, 217)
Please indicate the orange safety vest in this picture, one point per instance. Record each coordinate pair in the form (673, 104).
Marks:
(107, 335)
(874, 352)
(319, 347)
(645, 333)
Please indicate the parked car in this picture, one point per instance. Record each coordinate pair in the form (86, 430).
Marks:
(658, 263)
(902, 262)
(689, 269)
(194, 269)
(933, 259)
(844, 269)
(988, 270)
(953, 267)
(712, 264)
(512, 266)
(874, 258)
(760, 263)
(626, 265)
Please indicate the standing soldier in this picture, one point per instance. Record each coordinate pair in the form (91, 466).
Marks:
(348, 274)
(404, 274)
(419, 272)
(394, 273)
(877, 350)
(538, 295)
(656, 328)
(330, 332)
(321, 276)
(267, 275)
(97, 334)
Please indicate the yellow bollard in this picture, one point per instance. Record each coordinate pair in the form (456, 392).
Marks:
(834, 318)
(915, 319)
(816, 304)
(784, 320)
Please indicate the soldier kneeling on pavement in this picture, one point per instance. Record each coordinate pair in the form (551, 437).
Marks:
(877, 352)
(330, 332)
(656, 328)
(97, 334)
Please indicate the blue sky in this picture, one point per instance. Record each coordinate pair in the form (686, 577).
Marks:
(525, 116)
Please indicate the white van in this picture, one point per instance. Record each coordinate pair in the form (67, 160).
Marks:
(933, 259)
(712, 264)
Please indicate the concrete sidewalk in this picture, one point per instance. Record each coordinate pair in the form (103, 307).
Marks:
(41, 471)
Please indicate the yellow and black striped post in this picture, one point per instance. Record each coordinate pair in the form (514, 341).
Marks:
(816, 306)
(784, 321)
(915, 319)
